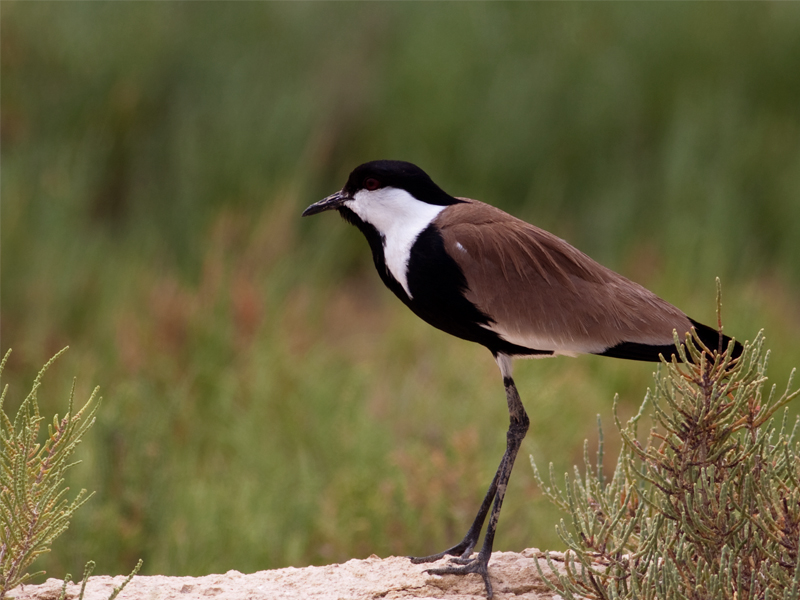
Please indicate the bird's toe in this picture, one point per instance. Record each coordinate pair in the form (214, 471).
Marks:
(478, 565)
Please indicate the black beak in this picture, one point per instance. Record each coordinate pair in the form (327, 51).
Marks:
(333, 201)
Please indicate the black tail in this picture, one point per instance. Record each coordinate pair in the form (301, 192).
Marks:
(708, 335)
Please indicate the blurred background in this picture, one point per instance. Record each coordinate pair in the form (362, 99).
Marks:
(266, 402)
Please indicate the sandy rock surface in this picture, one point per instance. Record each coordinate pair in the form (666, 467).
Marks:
(513, 576)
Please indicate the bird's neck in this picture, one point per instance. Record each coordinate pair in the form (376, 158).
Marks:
(376, 244)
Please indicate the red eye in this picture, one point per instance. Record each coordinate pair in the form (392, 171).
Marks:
(371, 184)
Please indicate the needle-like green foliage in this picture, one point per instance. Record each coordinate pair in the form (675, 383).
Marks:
(708, 507)
(34, 508)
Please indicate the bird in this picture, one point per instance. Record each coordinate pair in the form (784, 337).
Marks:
(485, 276)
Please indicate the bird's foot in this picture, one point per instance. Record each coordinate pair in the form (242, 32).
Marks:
(463, 565)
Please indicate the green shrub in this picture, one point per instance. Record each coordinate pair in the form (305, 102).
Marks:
(707, 507)
(34, 509)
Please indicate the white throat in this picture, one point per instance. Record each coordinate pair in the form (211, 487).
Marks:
(399, 218)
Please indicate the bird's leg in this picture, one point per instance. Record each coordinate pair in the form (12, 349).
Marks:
(465, 546)
(517, 429)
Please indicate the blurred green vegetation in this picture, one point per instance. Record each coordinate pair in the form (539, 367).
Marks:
(266, 402)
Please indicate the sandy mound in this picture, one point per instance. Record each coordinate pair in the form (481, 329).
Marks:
(513, 576)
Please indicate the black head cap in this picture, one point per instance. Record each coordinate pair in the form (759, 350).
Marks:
(397, 174)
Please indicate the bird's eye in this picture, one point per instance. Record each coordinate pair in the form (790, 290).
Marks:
(371, 184)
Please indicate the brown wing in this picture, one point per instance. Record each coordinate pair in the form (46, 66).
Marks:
(542, 293)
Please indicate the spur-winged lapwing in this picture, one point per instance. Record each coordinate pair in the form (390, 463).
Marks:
(480, 274)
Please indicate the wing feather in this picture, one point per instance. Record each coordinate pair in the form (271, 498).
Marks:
(542, 293)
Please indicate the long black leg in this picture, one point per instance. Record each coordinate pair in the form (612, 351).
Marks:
(464, 547)
(518, 427)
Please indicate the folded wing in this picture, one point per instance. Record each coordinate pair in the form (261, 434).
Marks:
(542, 293)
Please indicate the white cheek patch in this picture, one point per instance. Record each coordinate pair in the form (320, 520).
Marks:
(399, 218)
